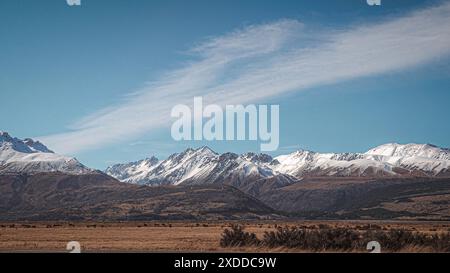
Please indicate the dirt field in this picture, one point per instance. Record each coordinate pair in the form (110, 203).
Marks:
(164, 236)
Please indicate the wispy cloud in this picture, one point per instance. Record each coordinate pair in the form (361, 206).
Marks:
(289, 148)
(262, 61)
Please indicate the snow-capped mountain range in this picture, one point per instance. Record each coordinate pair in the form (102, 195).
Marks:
(386, 160)
(29, 156)
(35, 182)
(197, 166)
(204, 166)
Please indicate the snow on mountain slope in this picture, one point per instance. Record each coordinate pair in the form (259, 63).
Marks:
(184, 166)
(28, 156)
(411, 150)
(133, 171)
(385, 160)
(425, 158)
(205, 166)
(198, 166)
(307, 163)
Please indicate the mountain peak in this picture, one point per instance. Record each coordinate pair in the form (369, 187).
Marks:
(257, 158)
(36, 145)
(302, 153)
(26, 145)
(5, 137)
(4, 134)
(205, 149)
(152, 159)
(29, 156)
(411, 150)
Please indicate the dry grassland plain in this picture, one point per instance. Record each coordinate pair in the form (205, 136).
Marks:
(170, 236)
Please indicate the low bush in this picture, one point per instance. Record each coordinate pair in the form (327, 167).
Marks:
(342, 239)
(237, 237)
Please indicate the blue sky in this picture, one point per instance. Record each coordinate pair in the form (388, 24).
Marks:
(84, 79)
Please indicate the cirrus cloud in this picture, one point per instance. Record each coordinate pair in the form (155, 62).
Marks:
(260, 62)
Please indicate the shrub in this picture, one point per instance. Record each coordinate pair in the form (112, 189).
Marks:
(345, 239)
(237, 237)
(294, 237)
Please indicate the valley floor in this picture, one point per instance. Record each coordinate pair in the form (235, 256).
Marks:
(171, 236)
